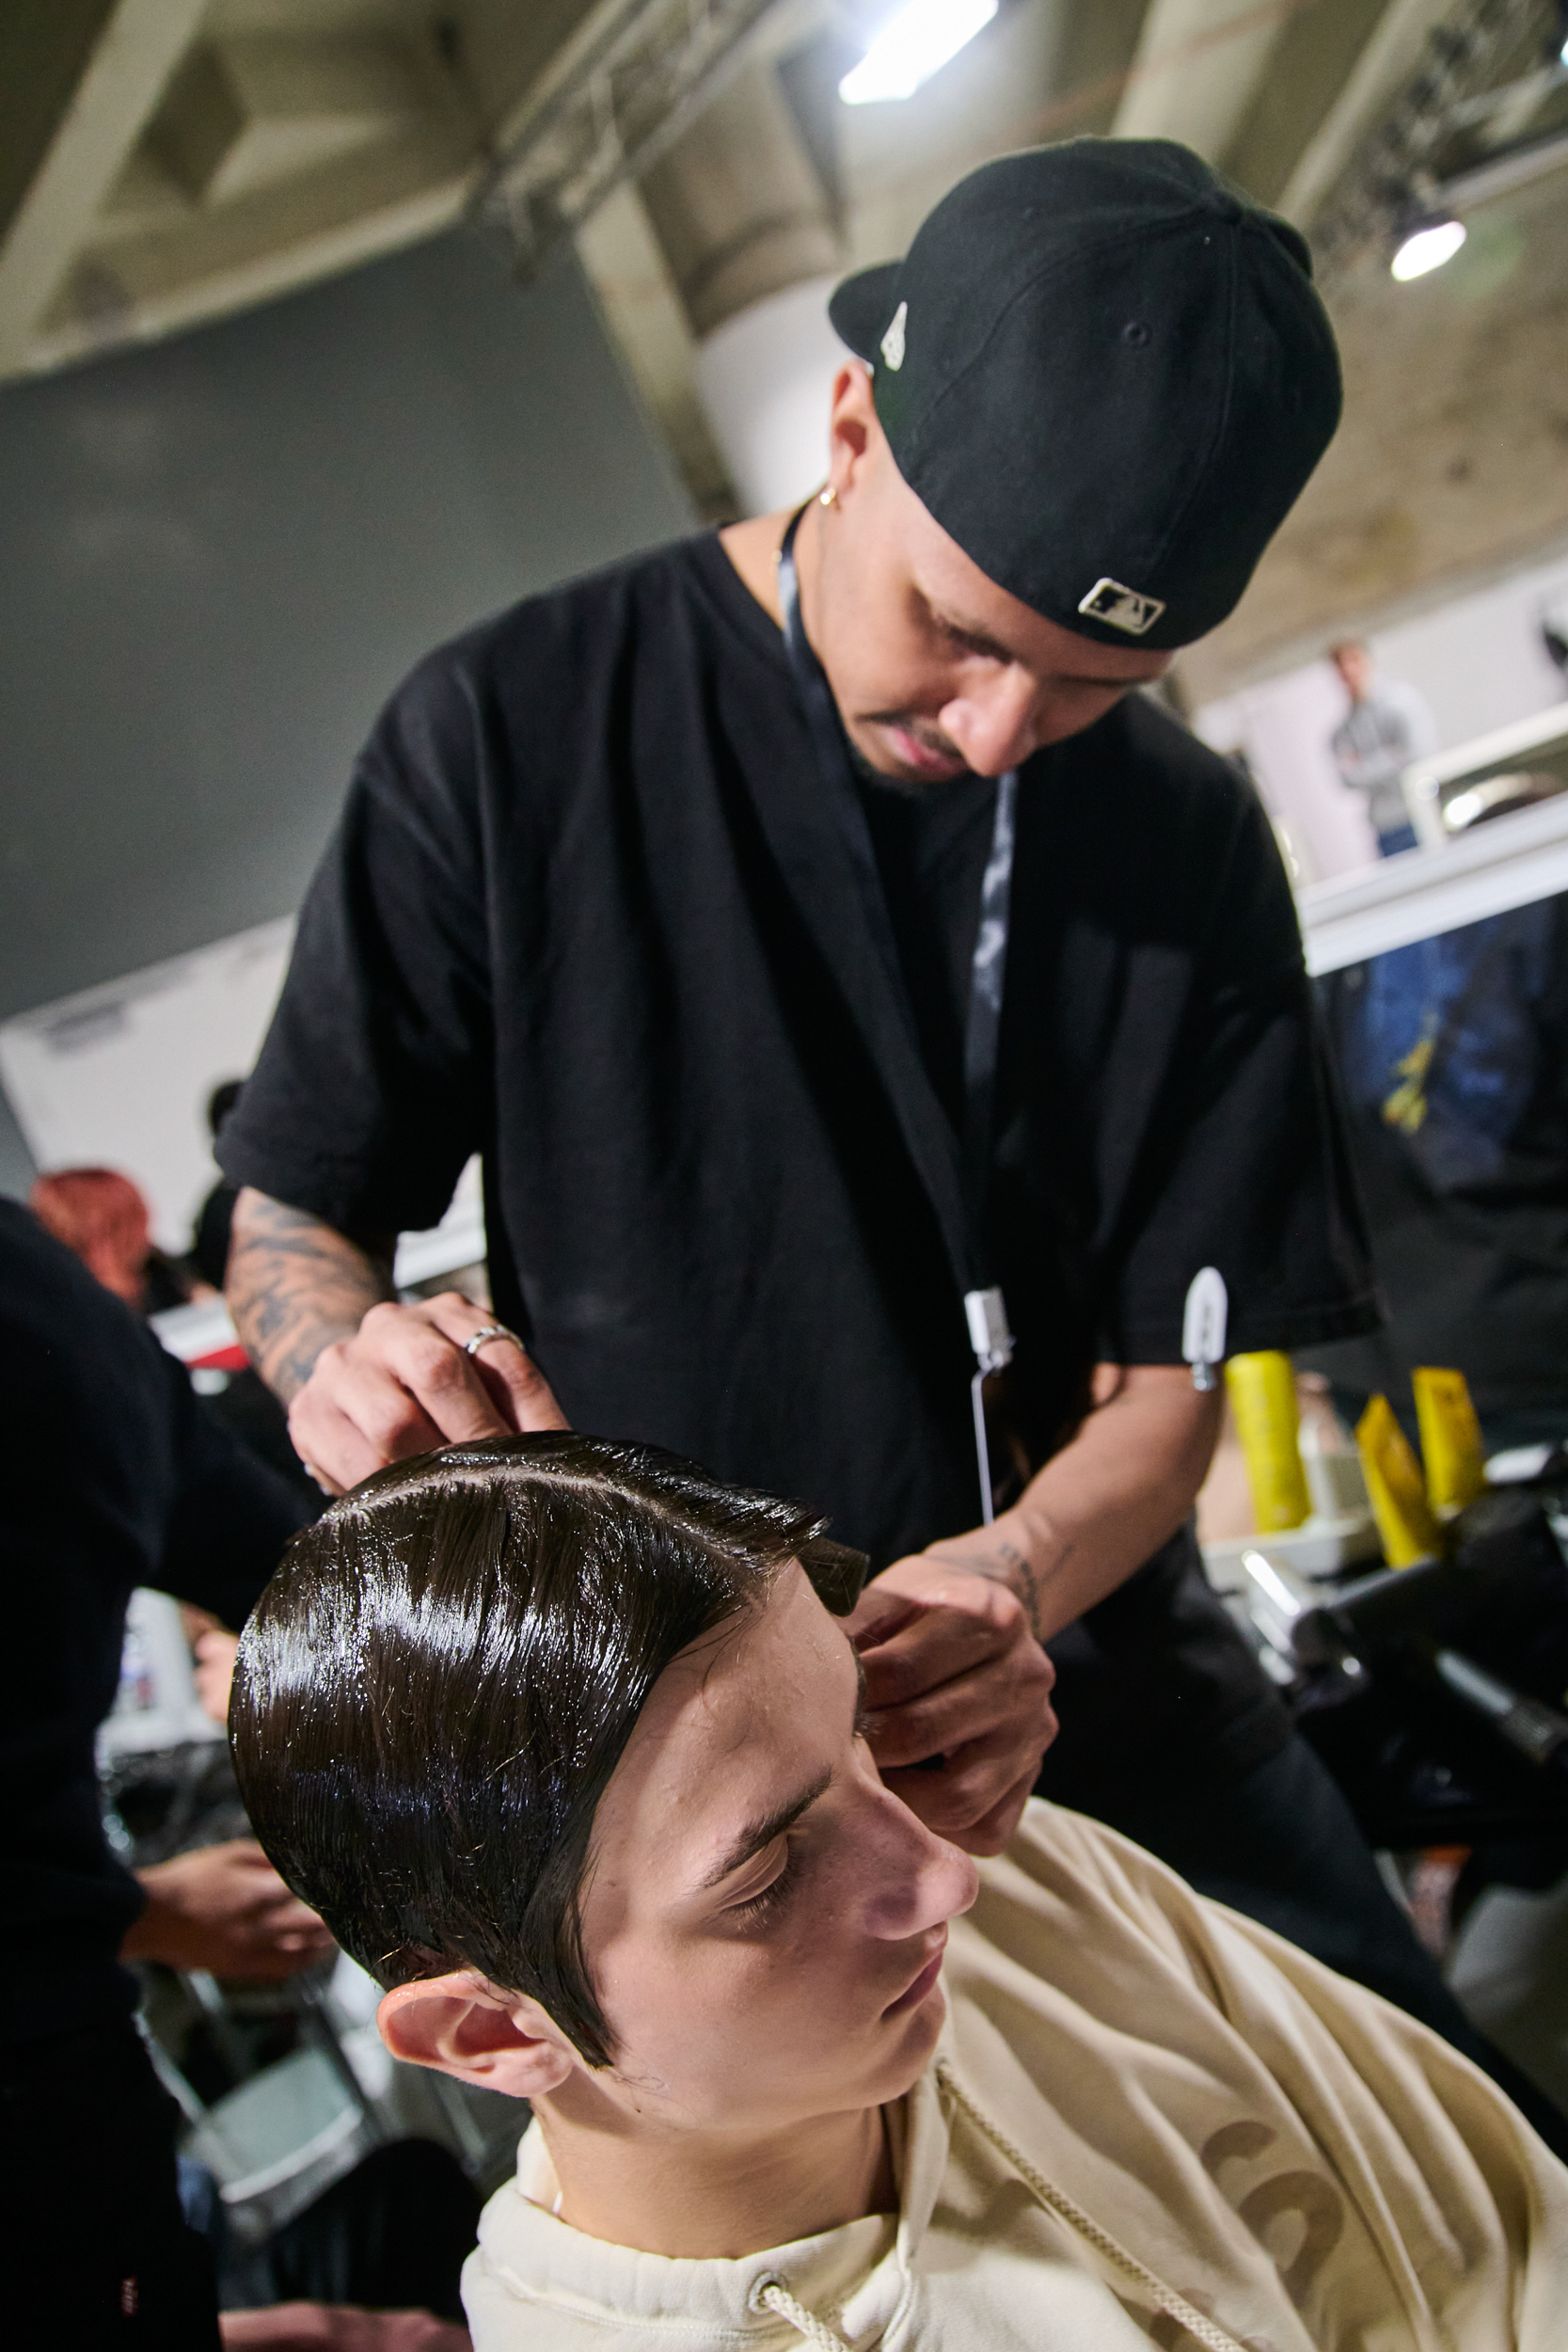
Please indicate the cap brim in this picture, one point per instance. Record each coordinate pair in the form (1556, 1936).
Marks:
(861, 308)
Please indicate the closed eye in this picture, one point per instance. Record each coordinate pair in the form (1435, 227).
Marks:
(771, 1898)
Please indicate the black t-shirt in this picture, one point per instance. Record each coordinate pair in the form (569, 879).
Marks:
(111, 1478)
(589, 911)
(930, 846)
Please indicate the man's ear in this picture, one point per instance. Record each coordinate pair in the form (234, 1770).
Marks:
(464, 2025)
(852, 425)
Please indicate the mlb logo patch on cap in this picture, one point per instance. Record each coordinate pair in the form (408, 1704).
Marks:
(1123, 608)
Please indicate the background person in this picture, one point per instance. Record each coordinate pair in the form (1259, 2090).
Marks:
(775, 2072)
(676, 918)
(1387, 725)
(103, 1217)
(110, 1478)
(208, 1251)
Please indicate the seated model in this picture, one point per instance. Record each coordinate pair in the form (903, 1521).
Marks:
(560, 1740)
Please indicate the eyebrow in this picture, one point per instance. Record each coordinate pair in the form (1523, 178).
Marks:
(980, 639)
(982, 642)
(759, 1835)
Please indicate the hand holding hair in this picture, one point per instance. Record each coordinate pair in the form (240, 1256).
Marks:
(440, 1372)
(957, 1693)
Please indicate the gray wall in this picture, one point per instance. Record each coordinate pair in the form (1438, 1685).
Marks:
(217, 555)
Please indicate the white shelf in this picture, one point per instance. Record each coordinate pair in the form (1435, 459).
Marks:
(1510, 862)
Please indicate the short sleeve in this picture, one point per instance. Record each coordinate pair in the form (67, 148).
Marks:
(1249, 1168)
(372, 1085)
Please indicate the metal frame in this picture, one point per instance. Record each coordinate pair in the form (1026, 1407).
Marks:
(632, 86)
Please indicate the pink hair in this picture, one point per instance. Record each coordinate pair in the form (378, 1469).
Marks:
(101, 1215)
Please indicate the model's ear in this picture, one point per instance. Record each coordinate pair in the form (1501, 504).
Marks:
(462, 2025)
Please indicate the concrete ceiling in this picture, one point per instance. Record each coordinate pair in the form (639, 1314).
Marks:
(166, 161)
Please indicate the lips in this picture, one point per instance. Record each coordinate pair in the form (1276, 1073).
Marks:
(914, 1994)
(922, 759)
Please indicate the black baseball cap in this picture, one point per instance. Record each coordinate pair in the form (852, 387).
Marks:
(1107, 376)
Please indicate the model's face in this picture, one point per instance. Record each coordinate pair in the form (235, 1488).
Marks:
(1355, 665)
(762, 1920)
(934, 668)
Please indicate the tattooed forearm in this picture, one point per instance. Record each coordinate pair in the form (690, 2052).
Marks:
(1006, 1565)
(294, 1286)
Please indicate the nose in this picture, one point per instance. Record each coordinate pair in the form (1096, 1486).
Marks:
(924, 1880)
(995, 724)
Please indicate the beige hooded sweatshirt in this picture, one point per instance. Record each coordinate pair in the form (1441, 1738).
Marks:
(1147, 2122)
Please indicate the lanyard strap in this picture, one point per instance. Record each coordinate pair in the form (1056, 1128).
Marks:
(988, 974)
(985, 1309)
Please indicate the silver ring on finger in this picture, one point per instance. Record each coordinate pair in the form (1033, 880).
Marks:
(487, 1332)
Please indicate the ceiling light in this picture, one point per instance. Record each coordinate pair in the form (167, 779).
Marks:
(911, 46)
(1428, 248)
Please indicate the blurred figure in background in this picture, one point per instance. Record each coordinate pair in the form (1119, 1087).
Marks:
(103, 1217)
(1554, 633)
(1386, 727)
(208, 1251)
(245, 1405)
(111, 1477)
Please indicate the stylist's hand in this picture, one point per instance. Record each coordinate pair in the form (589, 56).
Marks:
(403, 1385)
(952, 1670)
(226, 1908)
(338, 2327)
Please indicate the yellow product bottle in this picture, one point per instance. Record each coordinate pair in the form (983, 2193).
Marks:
(1404, 1523)
(1450, 1439)
(1262, 1392)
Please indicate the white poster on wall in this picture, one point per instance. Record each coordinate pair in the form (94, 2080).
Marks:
(118, 1076)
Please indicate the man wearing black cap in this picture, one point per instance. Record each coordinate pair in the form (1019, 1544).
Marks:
(871, 1009)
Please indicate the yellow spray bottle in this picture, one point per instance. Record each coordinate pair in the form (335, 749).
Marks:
(1262, 1393)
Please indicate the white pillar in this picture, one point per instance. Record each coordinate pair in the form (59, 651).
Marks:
(767, 377)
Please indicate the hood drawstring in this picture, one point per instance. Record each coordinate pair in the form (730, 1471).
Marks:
(1057, 2200)
(772, 2294)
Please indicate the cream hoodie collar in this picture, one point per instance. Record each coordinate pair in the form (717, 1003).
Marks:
(852, 2280)
(847, 2287)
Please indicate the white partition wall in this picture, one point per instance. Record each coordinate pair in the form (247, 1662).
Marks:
(118, 1076)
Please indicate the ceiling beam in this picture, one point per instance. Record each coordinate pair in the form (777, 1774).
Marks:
(641, 306)
(1383, 65)
(129, 67)
(1197, 68)
(1316, 57)
(222, 258)
(44, 47)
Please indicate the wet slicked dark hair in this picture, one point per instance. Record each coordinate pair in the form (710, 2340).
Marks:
(434, 1689)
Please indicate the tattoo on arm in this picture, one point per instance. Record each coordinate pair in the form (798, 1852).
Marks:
(1005, 1565)
(295, 1285)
